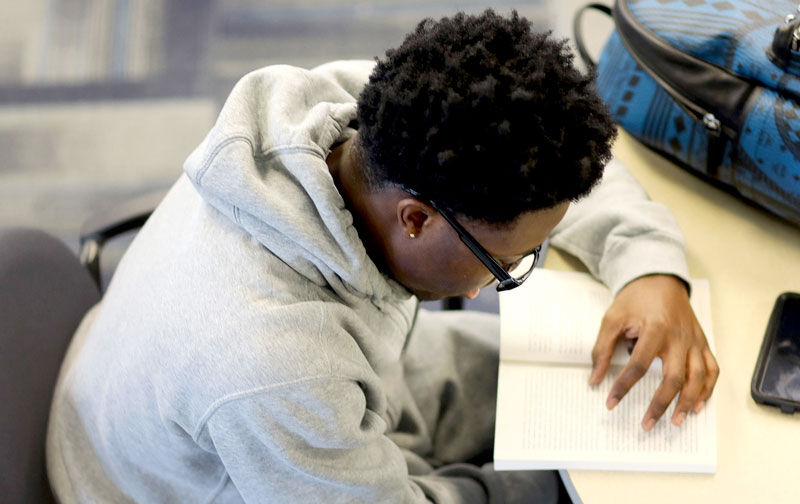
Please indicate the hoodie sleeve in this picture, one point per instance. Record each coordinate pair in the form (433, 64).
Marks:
(316, 441)
(619, 234)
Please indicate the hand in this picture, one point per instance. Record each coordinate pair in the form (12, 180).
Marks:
(655, 309)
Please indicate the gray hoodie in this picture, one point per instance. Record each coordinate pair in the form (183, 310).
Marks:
(248, 349)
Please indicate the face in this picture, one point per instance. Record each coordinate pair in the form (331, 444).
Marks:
(436, 263)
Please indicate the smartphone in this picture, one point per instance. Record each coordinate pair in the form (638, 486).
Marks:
(776, 379)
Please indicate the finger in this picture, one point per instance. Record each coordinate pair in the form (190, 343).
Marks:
(673, 381)
(603, 349)
(643, 354)
(695, 380)
(712, 374)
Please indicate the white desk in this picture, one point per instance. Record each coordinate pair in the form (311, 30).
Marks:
(750, 257)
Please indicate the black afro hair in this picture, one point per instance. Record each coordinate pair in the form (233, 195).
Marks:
(485, 117)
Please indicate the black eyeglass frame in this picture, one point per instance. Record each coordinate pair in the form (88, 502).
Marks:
(505, 280)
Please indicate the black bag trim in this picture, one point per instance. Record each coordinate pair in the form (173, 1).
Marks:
(699, 87)
(578, 34)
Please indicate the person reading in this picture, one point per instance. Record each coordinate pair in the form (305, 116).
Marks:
(261, 339)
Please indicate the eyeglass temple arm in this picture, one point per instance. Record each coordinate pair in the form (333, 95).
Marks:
(496, 269)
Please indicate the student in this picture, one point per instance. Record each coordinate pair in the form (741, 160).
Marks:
(261, 341)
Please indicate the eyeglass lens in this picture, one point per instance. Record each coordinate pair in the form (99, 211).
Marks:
(521, 268)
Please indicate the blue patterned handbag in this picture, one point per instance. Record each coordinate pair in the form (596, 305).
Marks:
(714, 85)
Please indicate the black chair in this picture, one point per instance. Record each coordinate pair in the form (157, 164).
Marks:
(44, 293)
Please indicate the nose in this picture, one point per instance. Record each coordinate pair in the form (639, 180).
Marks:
(472, 294)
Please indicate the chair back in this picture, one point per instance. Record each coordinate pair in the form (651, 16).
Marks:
(44, 294)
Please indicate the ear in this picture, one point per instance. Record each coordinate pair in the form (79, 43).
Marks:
(413, 216)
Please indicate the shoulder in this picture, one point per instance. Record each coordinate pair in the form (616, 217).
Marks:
(341, 81)
(351, 75)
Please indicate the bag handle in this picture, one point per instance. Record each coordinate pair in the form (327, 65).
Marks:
(578, 36)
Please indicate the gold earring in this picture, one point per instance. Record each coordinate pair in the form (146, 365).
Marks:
(412, 235)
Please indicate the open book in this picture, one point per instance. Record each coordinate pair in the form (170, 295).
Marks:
(548, 417)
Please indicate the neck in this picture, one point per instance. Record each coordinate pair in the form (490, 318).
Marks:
(369, 215)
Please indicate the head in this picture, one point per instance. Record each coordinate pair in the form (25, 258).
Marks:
(490, 121)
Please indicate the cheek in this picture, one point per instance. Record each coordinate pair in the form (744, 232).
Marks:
(448, 269)
(463, 274)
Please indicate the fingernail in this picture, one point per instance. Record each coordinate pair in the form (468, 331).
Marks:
(699, 406)
(678, 421)
(648, 424)
(593, 378)
(611, 402)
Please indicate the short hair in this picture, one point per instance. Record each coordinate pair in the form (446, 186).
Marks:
(485, 117)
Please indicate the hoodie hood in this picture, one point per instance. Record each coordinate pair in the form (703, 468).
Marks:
(263, 165)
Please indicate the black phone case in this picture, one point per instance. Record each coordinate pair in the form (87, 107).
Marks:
(786, 405)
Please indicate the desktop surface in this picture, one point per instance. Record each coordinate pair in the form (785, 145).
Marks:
(750, 257)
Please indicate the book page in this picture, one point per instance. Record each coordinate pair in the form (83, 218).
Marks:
(556, 316)
(552, 419)
(548, 417)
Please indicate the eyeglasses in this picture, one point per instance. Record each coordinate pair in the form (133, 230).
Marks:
(505, 280)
